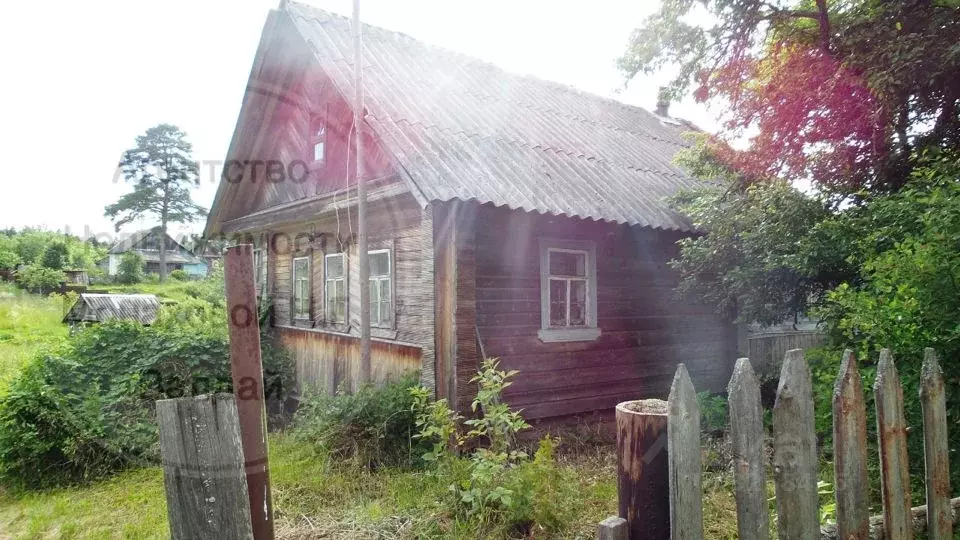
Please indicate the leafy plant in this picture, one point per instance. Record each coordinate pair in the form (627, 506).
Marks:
(39, 279)
(86, 409)
(179, 275)
(55, 256)
(713, 412)
(373, 427)
(130, 269)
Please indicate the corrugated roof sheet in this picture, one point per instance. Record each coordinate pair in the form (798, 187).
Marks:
(463, 129)
(91, 307)
(153, 255)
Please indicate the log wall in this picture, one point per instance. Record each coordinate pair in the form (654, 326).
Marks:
(646, 330)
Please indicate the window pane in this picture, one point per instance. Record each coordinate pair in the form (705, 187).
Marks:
(318, 151)
(334, 266)
(558, 302)
(578, 302)
(568, 264)
(380, 264)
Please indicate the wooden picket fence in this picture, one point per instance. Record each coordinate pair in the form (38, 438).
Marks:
(795, 455)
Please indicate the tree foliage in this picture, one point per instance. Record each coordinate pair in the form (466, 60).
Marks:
(841, 92)
(55, 256)
(162, 171)
(130, 269)
(750, 265)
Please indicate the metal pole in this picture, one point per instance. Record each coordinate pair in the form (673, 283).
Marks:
(362, 199)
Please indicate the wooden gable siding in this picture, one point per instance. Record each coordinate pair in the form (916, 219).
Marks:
(286, 91)
(645, 329)
(397, 224)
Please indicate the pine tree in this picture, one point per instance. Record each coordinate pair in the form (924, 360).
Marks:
(162, 170)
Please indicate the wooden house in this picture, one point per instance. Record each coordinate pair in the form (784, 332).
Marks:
(510, 217)
(147, 244)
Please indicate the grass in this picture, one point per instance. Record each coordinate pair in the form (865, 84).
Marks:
(28, 322)
(313, 496)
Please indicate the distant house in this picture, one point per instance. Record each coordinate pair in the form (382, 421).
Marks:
(509, 217)
(91, 307)
(147, 244)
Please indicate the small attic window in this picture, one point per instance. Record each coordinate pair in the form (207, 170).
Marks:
(318, 138)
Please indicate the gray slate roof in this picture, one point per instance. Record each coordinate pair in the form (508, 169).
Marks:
(92, 307)
(463, 129)
(152, 255)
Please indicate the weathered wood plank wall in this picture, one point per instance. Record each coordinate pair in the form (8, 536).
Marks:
(325, 357)
(329, 362)
(646, 330)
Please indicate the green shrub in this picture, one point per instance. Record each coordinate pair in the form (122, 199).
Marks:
(39, 279)
(500, 485)
(713, 412)
(373, 427)
(179, 275)
(130, 270)
(55, 256)
(88, 409)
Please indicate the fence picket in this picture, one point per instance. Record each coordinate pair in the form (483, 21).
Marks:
(935, 448)
(795, 452)
(892, 438)
(850, 452)
(746, 432)
(683, 446)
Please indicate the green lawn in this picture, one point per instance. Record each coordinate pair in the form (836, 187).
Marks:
(312, 496)
(28, 322)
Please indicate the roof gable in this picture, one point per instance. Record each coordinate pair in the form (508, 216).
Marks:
(459, 128)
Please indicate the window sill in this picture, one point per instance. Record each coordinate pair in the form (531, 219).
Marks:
(560, 335)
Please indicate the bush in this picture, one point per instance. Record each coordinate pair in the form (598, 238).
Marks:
(501, 484)
(373, 427)
(179, 275)
(130, 270)
(88, 409)
(55, 256)
(713, 412)
(40, 279)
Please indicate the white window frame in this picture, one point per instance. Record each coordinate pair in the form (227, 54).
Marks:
(327, 280)
(376, 317)
(589, 331)
(298, 315)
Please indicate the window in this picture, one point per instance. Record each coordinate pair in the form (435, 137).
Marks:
(301, 288)
(381, 299)
(335, 288)
(568, 291)
(318, 137)
(260, 270)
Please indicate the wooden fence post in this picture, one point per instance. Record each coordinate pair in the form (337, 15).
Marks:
(892, 438)
(643, 485)
(746, 433)
(247, 373)
(683, 447)
(795, 452)
(935, 448)
(203, 469)
(613, 528)
(850, 452)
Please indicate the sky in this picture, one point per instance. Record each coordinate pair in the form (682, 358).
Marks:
(83, 79)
